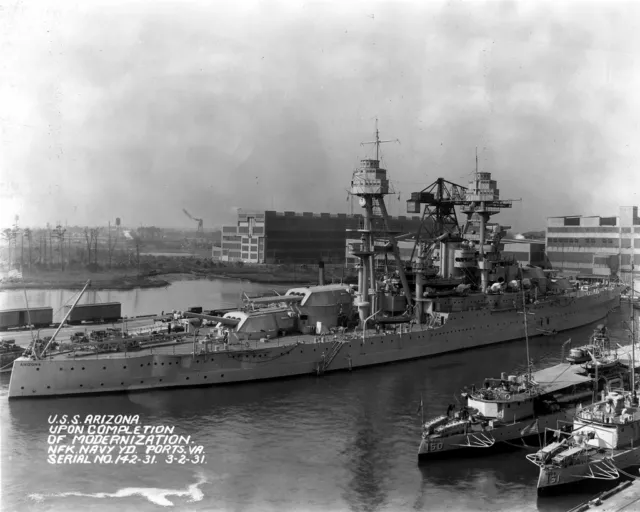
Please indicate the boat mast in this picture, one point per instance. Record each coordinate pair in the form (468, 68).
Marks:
(526, 331)
(633, 328)
(44, 351)
(482, 199)
(26, 301)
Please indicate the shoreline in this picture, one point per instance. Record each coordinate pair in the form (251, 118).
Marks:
(160, 280)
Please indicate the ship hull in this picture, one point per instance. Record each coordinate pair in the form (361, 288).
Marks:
(488, 441)
(151, 370)
(555, 479)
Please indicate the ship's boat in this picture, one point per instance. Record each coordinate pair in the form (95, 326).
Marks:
(578, 355)
(433, 424)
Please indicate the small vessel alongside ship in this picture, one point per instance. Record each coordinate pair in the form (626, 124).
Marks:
(514, 409)
(597, 354)
(603, 443)
(471, 298)
(504, 411)
(599, 343)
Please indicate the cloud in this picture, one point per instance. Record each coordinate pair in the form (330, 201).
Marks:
(142, 110)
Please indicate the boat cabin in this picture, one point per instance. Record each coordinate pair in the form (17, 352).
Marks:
(611, 423)
(507, 407)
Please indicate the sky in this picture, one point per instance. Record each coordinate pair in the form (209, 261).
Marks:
(139, 109)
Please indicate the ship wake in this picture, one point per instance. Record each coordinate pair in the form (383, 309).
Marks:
(153, 494)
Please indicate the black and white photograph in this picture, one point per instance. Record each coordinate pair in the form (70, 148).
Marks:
(319, 255)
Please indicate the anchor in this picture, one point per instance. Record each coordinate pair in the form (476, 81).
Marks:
(478, 441)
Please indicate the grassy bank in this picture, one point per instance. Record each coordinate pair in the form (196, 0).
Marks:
(160, 271)
(77, 279)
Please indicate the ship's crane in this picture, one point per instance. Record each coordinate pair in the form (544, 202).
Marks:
(439, 215)
(200, 231)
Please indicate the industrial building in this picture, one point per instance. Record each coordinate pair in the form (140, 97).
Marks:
(526, 252)
(595, 246)
(293, 237)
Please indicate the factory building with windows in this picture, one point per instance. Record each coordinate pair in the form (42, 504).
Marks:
(292, 237)
(595, 246)
(526, 252)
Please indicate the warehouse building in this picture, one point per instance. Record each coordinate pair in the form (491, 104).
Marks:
(595, 246)
(292, 237)
(526, 252)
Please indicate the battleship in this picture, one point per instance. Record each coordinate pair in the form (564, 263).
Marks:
(457, 292)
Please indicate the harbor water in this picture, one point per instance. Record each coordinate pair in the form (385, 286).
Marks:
(180, 295)
(340, 442)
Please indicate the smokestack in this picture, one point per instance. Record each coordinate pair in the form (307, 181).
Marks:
(320, 273)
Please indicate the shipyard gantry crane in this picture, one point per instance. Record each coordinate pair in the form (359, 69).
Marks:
(200, 230)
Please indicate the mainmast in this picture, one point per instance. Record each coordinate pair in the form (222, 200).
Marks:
(526, 330)
(370, 184)
(633, 328)
(482, 201)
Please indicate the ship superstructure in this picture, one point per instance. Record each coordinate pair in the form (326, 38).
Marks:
(602, 443)
(456, 292)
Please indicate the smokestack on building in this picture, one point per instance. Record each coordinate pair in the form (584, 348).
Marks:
(320, 273)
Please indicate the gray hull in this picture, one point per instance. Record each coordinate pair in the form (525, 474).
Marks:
(149, 370)
(487, 440)
(553, 478)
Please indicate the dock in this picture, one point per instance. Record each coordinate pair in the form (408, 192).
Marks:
(560, 376)
(625, 497)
